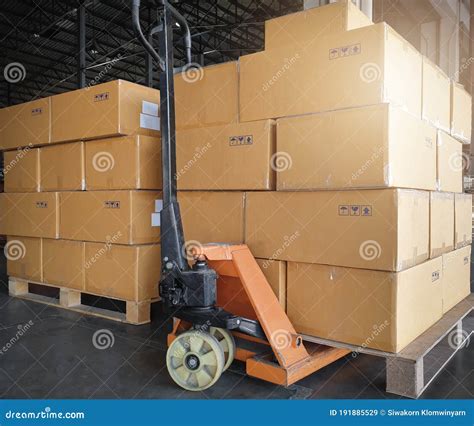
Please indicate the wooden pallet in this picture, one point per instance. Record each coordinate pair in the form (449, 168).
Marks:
(136, 313)
(410, 371)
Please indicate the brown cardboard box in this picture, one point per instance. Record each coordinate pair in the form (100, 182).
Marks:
(450, 163)
(305, 28)
(462, 220)
(441, 223)
(118, 217)
(34, 214)
(63, 263)
(109, 109)
(212, 217)
(123, 272)
(369, 147)
(436, 96)
(127, 162)
(24, 258)
(21, 170)
(343, 70)
(378, 229)
(371, 309)
(62, 167)
(456, 277)
(227, 157)
(275, 273)
(461, 113)
(25, 124)
(207, 96)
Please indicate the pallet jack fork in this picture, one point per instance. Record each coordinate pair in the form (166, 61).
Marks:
(223, 306)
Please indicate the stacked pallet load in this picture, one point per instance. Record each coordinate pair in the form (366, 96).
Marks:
(82, 173)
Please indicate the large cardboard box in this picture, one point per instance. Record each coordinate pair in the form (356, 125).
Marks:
(118, 217)
(212, 217)
(21, 170)
(108, 109)
(123, 272)
(378, 229)
(370, 147)
(24, 258)
(127, 162)
(62, 167)
(436, 96)
(275, 273)
(461, 113)
(29, 214)
(343, 70)
(25, 124)
(304, 28)
(63, 263)
(370, 309)
(456, 277)
(212, 158)
(449, 163)
(462, 220)
(441, 223)
(207, 96)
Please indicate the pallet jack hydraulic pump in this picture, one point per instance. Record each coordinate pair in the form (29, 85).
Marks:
(222, 305)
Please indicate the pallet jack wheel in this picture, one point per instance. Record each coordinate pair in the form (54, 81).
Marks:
(195, 360)
(227, 342)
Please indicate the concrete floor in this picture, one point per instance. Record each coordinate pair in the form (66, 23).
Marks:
(56, 358)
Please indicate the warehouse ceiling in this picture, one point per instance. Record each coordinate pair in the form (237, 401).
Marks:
(39, 40)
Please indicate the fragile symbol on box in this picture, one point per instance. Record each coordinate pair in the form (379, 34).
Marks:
(36, 111)
(343, 210)
(42, 204)
(355, 210)
(341, 52)
(101, 97)
(112, 204)
(241, 140)
(435, 276)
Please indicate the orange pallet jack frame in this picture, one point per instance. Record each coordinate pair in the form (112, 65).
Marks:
(243, 290)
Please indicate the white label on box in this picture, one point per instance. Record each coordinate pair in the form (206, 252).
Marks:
(150, 108)
(149, 122)
(158, 206)
(155, 219)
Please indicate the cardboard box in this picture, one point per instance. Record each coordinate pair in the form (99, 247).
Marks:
(123, 272)
(275, 273)
(62, 167)
(207, 96)
(118, 217)
(21, 170)
(343, 70)
(370, 147)
(305, 28)
(25, 124)
(108, 109)
(34, 214)
(127, 162)
(212, 217)
(461, 113)
(371, 309)
(63, 263)
(462, 220)
(456, 277)
(378, 229)
(211, 158)
(450, 162)
(441, 223)
(24, 258)
(436, 96)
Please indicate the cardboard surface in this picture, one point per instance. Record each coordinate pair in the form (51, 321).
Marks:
(462, 220)
(461, 113)
(373, 309)
(119, 217)
(368, 147)
(128, 162)
(123, 272)
(456, 277)
(21, 170)
(441, 223)
(227, 157)
(377, 229)
(450, 163)
(24, 258)
(275, 273)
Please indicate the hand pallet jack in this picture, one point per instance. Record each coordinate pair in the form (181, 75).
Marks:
(222, 305)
